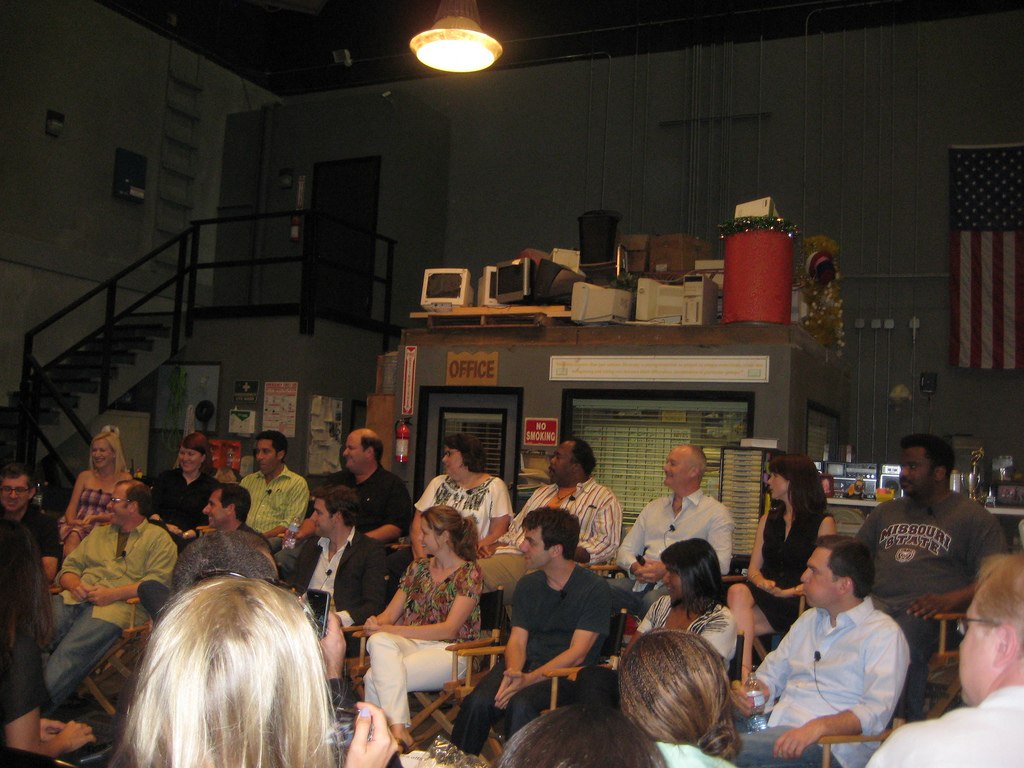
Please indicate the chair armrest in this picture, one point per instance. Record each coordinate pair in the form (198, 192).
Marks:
(569, 672)
(855, 739)
(465, 645)
(490, 650)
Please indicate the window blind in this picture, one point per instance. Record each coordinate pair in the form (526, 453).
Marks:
(631, 439)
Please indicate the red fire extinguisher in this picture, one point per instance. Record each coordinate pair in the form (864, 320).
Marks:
(402, 434)
(294, 228)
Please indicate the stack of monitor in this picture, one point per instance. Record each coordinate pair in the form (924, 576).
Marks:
(527, 281)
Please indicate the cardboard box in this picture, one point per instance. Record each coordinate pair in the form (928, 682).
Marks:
(676, 253)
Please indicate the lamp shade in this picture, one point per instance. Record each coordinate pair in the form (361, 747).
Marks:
(456, 43)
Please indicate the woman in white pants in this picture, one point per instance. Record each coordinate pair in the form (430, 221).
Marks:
(437, 603)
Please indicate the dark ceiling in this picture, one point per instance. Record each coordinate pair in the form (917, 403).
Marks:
(289, 52)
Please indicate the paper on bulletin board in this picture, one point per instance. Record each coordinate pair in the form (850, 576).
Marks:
(280, 404)
(241, 421)
(326, 434)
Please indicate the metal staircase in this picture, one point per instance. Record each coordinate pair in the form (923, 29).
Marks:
(132, 330)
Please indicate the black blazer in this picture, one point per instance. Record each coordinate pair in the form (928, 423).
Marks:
(359, 580)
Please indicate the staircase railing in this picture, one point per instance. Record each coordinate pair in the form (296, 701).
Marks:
(36, 381)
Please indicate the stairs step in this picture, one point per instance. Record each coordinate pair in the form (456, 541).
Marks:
(95, 356)
(80, 385)
(46, 402)
(154, 330)
(64, 373)
(128, 343)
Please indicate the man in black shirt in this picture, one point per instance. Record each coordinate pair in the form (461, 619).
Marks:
(16, 493)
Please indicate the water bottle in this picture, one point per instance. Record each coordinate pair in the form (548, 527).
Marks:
(757, 721)
(289, 536)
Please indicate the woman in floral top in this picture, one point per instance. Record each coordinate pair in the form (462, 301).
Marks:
(438, 602)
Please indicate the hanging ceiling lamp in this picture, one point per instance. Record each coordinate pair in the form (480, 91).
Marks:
(456, 43)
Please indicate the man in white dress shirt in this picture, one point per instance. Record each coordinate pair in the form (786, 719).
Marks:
(686, 513)
(838, 671)
(989, 731)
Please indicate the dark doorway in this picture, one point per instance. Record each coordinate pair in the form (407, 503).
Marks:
(347, 192)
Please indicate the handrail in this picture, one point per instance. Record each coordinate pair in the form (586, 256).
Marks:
(35, 377)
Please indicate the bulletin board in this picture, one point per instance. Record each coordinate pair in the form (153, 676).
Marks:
(326, 434)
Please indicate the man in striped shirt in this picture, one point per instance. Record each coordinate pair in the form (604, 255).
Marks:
(574, 490)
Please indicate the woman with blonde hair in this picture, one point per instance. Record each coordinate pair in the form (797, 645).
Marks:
(437, 603)
(234, 677)
(93, 489)
(673, 685)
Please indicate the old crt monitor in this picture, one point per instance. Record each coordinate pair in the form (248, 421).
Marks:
(444, 288)
(514, 281)
(486, 288)
(553, 283)
(594, 304)
(691, 302)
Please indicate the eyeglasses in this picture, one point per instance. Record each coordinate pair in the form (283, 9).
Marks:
(115, 500)
(10, 490)
(220, 572)
(963, 624)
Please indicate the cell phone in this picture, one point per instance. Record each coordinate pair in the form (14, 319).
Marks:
(640, 559)
(319, 603)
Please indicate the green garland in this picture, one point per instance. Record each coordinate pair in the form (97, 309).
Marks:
(751, 223)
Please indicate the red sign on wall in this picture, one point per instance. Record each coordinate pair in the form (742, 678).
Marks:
(540, 432)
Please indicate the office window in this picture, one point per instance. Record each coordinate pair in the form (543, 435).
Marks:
(631, 435)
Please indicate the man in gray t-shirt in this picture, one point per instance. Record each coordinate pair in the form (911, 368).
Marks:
(927, 548)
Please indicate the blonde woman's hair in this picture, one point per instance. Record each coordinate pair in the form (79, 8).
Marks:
(114, 441)
(233, 677)
(463, 533)
(673, 685)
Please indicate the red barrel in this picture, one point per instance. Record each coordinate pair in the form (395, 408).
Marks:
(758, 277)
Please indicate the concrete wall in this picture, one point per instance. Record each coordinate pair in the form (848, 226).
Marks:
(61, 230)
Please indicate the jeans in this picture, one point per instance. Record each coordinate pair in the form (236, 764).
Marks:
(756, 750)
(478, 712)
(79, 642)
(637, 603)
(923, 638)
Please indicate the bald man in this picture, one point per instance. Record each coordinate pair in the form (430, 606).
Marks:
(386, 508)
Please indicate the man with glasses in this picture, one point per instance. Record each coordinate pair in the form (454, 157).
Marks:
(928, 547)
(97, 580)
(686, 513)
(987, 732)
(16, 494)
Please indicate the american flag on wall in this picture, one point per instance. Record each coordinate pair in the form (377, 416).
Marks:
(986, 256)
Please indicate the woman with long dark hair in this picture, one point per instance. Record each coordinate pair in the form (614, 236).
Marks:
(694, 581)
(25, 625)
(769, 600)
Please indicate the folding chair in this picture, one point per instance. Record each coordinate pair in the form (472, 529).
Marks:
(492, 623)
(944, 668)
(108, 677)
(610, 652)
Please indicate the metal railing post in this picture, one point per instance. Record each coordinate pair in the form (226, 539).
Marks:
(179, 294)
(108, 332)
(307, 291)
(192, 268)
